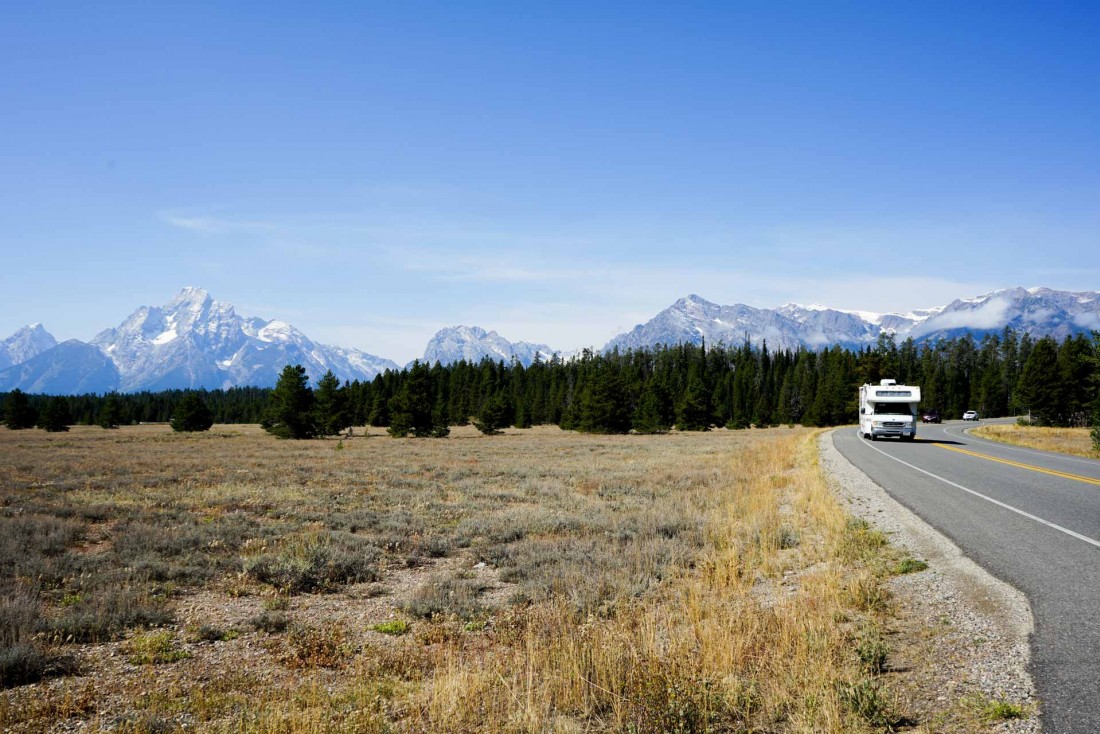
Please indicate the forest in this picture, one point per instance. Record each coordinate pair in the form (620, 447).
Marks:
(690, 387)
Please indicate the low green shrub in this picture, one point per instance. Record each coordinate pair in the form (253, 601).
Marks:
(271, 622)
(872, 651)
(993, 710)
(909, 565)
(317, 647)
(104, 614)
(865, 699)
(447, 596)
(316, 561)
(152, 648)
(396, 627)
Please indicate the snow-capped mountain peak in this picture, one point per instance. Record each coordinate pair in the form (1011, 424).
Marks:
(472, 343)
(197, 341)
(1037, 311)
(25, 344)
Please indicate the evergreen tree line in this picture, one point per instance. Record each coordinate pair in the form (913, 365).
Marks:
(235, 405)
(650, 390)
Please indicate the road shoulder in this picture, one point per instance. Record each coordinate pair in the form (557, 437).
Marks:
(960, 636)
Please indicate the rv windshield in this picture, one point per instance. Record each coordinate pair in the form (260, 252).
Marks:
(892, 409)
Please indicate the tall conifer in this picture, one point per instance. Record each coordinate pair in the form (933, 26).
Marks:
(18, 412)
(289, 411)
(56, 417)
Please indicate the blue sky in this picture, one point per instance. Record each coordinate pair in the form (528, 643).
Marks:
(374, 172)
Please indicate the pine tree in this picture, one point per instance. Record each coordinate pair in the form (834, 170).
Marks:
(110, 414)
(380, 410)
(413, 408)
(289, 412)
(1039, 389)
(56, 417)
(1075, 366)
(330, 406)
(440, 426)
(651, 414)
(192, 414)
(18, 411)
(493, 416)
(602, 406)
(783, 411)
(522, 416)
(693, 413)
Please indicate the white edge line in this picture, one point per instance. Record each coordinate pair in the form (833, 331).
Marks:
(1048, 454)
(1018, 511)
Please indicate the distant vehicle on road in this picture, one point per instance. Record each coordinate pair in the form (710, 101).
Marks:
(970, 415)
(931, 416)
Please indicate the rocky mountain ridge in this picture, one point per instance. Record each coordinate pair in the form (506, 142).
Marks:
(193, 341)
(196, 341)
(1035, 311)
(472, 343)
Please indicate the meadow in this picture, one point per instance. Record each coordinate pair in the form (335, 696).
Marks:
(1075, 441)
(540, 580)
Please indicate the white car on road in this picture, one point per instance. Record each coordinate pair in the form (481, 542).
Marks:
(970, 415)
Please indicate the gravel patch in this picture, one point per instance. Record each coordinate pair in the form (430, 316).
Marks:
(960, 635)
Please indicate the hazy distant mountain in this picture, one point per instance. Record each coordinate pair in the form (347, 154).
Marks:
(27, 343)
(71, 367)
(1036, 311)
(473, 344)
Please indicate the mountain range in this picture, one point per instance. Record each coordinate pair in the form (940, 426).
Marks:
(1036, 311)
(196, 341)
(473, 344)
(192, 341)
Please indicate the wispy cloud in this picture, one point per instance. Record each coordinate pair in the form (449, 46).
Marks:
(491, 266)
(213, 225)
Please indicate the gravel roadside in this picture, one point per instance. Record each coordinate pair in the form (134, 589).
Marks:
(960, 637)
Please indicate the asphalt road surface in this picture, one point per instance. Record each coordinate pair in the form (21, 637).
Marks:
(1032, 519)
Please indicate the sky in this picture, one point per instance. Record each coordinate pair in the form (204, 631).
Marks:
(558, 172)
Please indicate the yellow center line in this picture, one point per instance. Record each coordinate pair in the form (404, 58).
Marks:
(1062, 474)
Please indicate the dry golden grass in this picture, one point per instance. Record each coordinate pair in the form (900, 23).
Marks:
(1075, 441)
(551, 582)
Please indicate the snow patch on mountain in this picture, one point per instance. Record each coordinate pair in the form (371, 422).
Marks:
(165, 337)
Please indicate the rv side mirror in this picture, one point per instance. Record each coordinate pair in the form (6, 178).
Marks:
(863, 411)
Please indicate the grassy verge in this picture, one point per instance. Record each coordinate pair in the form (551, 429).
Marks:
(1075, 441)
(535, 581)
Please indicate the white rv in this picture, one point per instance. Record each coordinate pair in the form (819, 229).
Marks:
(888, 409)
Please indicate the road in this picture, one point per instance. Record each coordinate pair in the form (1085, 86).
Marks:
(1032, 519)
